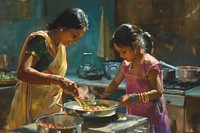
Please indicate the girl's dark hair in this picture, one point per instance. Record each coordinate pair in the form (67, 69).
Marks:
(69, 18)
(127, 34)
(149, 42)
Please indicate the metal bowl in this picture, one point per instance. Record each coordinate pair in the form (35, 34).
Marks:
(111, 109)
(59, 123)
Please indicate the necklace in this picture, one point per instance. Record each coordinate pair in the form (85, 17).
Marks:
(136, 62)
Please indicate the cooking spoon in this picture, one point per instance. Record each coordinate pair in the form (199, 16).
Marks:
(82, 103)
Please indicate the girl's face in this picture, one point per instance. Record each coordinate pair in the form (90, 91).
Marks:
(69, 36)
(127, 53)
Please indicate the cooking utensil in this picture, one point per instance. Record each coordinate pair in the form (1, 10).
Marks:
(59, 123)
(111, 108)
(168, 74)
(188, 74)
(111, 69)
(8, 62)
(185, 74)
(82, 103)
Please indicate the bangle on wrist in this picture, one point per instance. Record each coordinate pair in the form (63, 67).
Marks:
(49, 77)
(133, 97)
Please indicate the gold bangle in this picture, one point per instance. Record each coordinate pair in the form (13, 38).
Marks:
(48, 82)
(139, 95)
(146, 99)
(147, 96)
(142, 98)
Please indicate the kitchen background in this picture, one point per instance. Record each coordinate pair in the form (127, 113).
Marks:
(173, 24)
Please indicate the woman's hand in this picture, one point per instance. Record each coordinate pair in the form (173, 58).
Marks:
(125, 100)
(69, 86)
(83, 94)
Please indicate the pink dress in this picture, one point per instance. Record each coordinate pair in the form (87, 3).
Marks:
(137, 82)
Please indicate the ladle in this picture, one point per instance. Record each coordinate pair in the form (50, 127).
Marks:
(168, 65)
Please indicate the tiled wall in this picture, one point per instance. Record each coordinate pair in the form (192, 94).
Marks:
(14, 31)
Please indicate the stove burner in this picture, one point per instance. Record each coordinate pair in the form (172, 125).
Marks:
(181, 86)
(102, 119)
(98, 122)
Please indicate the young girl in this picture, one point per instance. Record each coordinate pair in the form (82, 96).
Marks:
(142, 74)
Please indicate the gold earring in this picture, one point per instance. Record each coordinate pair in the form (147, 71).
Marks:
(61, 29)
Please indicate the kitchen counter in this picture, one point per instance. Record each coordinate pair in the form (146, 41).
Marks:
(195, 92)
(118, 123)
(6, 87)
(102, 83)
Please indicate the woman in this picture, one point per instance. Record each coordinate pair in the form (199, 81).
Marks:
(142, 74)
(42, 67)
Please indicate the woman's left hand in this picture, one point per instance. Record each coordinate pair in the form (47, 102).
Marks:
(125, 100)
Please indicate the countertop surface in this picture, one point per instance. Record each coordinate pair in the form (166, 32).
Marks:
(195, 92)
(104, 82)
(121, 123)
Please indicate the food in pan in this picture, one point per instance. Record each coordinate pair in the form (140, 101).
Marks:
(48, 125)
(94, 108)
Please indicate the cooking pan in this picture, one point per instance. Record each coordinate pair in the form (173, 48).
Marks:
(59, 123)
(111, 108)
(185, 74)
(168, 74)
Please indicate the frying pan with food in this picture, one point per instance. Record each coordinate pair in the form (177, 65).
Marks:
(99, 108)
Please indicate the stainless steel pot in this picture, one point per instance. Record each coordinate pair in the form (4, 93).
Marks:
(8, 62)
(59, 123)
(111, 110)
(188, 73)
(185, 74)
(168, 74)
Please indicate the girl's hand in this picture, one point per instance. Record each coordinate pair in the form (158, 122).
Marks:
(106, 96)
(125, 100)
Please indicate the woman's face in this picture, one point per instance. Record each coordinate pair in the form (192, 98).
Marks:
(127, 53)
(69, 36)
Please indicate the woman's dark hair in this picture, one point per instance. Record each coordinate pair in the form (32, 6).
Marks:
(127, 34)
(69, 18)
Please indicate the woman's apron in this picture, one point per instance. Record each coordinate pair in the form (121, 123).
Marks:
(32, 101)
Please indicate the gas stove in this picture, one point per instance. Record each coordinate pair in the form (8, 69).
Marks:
(179, 88)
(180, 106)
